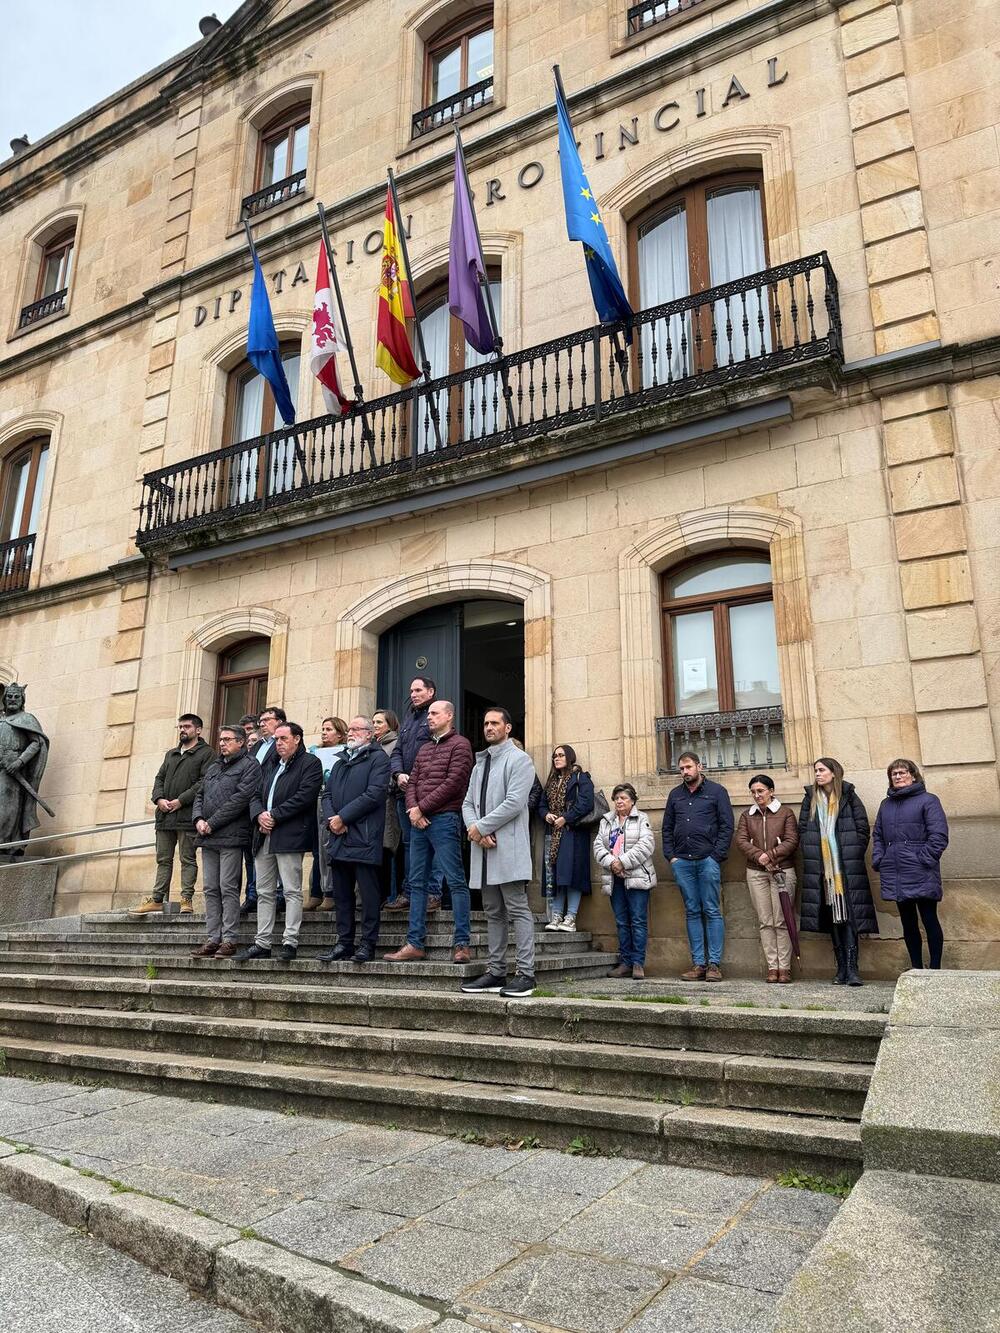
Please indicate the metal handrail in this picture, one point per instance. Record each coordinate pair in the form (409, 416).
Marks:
(47, 305)
(78, 833)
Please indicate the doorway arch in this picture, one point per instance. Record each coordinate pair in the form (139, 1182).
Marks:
(356, 657)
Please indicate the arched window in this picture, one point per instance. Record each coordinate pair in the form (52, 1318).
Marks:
(458, 71)
(718, 616)
(242, 684)
(250, 413)
(711, 232)
(468, 413)
(282, 158)
(54, 259)
(22, 480)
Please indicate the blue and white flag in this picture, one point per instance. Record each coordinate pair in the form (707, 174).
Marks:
(584, 223)
(263, 351)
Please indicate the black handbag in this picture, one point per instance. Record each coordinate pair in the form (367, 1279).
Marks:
(599, 809)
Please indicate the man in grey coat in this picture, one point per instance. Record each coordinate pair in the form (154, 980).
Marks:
(495, 812)
(221, 814)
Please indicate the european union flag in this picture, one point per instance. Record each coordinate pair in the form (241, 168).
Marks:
(263, 352)
(584, 223)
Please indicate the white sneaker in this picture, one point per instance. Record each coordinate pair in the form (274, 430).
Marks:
(555, 923)
(568, 923)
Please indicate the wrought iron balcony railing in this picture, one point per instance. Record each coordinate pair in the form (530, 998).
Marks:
(451, 108)
(785, 316)
(272, 195)
(652, 14)
(748, 738)
(38, 310)
(15, 563)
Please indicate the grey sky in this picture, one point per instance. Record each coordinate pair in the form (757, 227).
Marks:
(62, 56)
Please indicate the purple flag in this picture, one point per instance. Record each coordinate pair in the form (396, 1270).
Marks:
(466, 298)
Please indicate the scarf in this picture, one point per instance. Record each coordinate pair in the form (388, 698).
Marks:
(833, 877)
(555, 797)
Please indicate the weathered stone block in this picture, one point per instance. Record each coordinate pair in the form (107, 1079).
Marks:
(868, 30)
(873, 66)
(904, 299)
(52, 1188)
(911, 332)
(27, 892)
(936, 582)
(912, 438)
(948, 737)
(949, 682)
(893, 175)
(930, 533)
(898, 256)
(878, 103)
(933, 481)
(888, 137)
(170, 1239)
(890, 217)
(914, 402)
(943, 632)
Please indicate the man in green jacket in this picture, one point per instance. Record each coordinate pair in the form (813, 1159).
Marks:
(177, 784)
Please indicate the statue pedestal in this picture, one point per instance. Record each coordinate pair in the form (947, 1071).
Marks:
(27, 892)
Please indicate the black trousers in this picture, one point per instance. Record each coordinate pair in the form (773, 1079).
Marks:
(927, 907)
(345, 875)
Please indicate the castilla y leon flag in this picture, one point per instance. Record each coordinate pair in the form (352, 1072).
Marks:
(327, 341)
(393, 353)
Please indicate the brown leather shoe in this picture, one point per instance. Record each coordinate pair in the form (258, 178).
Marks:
(619, 970)
(407, 954)
(784, 977)
(433, 904)
(463, 954)
(227, 950)
(713, 972)
(327, 905)
(638, 972)
(400, 905)
(311, 904)
(772, 974)
(697, 973)
(187, 907)
(208, 950)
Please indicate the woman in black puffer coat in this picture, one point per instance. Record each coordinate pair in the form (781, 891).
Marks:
(836, 894)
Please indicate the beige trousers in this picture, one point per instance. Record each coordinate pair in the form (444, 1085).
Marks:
(774, 937)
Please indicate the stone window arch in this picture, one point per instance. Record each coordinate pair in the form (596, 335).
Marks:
(291, 104)
(34, 439)
(48, 271)
(356, 655)
(200, 659)
(779, 533)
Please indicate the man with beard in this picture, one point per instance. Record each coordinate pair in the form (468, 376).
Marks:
(697, 831)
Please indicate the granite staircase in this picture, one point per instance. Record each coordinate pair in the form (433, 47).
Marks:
(120, 1002)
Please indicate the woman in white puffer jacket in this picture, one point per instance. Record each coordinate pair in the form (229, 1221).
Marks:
(624, 851)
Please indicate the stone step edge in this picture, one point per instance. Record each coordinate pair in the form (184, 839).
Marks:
(637, 1012)
(724, 1066)
(211, 1257)
(776, 1131)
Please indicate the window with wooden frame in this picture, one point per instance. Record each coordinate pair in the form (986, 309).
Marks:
(242, 682)
(467, 412)
(22, 480)
(711, 232)
(251, 412)
(458, 71)
(55, 264)
(283, 147)
(719, 647)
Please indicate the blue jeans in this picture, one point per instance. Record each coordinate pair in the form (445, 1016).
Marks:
(631, 909)
(565, 902)
(700, 883)
(438, 842)
(406, 828)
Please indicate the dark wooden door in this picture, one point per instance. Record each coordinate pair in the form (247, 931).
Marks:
(427, 644)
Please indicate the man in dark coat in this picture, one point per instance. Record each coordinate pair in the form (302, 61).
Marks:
(697, 830)
(177, 783)
(285, 813)
(354, 808)
(221, 816)
(434, 797)
(413, 733)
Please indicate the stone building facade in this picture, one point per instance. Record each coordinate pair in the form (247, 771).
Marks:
(836, 420)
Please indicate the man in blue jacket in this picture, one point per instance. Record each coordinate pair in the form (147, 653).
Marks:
(354, 809)
(697, 831)
(414, 732)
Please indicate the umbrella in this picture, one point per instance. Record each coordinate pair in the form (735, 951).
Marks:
(787, 911)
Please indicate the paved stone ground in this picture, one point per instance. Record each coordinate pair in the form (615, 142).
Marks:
(505, 1239)
(872, 998)
(54, 1280)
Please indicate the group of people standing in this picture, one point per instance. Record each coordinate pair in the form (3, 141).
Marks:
(385, 805)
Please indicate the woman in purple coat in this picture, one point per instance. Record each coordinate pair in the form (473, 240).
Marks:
(911, 833)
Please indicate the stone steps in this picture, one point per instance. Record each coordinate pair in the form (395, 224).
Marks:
(807, 1087)
(723, 1138)
(178, 966)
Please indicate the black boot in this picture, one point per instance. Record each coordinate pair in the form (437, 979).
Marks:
(852, 978)
(840, 953)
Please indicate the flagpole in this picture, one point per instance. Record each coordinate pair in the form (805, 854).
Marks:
(332, 265)
(424, 362)
(484, 280)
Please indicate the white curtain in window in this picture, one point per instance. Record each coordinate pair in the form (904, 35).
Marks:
(479, 415)
(664, 275)
(283, 472)
(435, 325)
(735, 249)
(243, 470)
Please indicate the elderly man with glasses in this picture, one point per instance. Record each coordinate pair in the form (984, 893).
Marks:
(354, 809)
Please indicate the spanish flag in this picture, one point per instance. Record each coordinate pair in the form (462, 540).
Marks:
(393, 353)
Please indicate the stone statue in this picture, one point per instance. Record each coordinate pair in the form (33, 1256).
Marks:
(24, 749)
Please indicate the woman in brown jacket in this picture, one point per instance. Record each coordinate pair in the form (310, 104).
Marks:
(767, 835)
